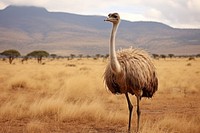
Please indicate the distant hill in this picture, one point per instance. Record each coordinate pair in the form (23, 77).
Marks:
(28, 28)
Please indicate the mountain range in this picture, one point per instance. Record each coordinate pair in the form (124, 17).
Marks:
(28, 28)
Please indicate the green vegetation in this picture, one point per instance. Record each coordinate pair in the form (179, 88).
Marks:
(11, 54)
(39, 55)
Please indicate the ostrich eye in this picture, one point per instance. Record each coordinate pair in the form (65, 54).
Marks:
(114, 16)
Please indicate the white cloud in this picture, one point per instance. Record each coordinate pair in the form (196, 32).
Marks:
(177, 13)
(132, 16)
(153, 14)
(194, 5)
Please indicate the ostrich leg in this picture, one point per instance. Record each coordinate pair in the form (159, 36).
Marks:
(130, 107)
(138, 112)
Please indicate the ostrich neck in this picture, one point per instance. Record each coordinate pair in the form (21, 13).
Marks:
(115, 66)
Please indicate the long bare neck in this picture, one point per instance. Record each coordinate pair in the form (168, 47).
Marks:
(115, 66)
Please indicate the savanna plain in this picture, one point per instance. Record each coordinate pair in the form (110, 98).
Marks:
(70, 96)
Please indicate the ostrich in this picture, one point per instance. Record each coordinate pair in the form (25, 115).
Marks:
(129, 71)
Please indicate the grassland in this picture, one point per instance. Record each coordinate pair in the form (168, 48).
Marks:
(70, 96)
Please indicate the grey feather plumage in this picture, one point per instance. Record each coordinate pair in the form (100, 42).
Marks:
(138, 76)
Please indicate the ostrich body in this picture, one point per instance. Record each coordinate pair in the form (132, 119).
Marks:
(129, 71)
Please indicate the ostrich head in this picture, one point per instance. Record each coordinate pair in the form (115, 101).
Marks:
(113, 17)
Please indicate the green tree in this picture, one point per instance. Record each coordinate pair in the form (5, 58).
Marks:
(163, 56)
(11, 54)
(53, 56)
(155, 56)
(97, 56)
(171, 55)
(88, 56)
(72, 56)
(39, 55)
(80, 56)
(106, 56)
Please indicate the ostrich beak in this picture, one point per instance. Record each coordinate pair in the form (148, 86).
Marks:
(107, 19)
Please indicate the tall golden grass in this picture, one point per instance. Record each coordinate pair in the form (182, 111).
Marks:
(58, 97)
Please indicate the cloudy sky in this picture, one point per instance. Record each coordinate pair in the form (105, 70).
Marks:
(176, 13)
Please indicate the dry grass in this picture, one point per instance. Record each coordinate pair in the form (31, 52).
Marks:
(58, 97)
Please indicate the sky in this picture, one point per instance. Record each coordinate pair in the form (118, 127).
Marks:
(176, 13)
